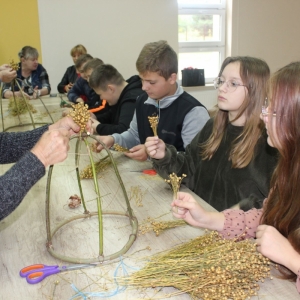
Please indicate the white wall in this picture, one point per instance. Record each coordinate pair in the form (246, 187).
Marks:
(116, 30)
(113, 30)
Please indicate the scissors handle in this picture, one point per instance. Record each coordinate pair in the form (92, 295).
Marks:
(36, 273)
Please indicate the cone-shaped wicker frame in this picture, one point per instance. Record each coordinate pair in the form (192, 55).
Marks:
(133, 221)
(20, 122)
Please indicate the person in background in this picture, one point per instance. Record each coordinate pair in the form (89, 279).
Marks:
(229, 161)
(81, 91)
(82, 88)
(276, 225)
(7, 74)
(71, 75)
(120, 95)
(31, 76)
(180, 116)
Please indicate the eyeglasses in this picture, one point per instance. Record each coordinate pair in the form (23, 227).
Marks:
(231, 85)
(265, 113)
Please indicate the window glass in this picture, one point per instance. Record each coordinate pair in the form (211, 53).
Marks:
(208, 60)
(198, 28)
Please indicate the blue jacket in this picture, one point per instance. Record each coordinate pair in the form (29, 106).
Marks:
(81, 87)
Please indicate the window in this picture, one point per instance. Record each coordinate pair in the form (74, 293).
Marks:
(201, 36)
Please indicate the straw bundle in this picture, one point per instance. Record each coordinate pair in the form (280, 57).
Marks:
(19, 106)
(208, 267)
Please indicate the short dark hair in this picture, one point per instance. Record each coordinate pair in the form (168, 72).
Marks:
(157, 57)
(92, 64)
(82, 59)
(104, 75)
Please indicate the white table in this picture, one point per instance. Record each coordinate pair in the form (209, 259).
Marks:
(23, 233)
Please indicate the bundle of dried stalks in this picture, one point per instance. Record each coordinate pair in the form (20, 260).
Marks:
(208, 267)
(153, 123)
(19, 106)
(119, 148)
(80, 115)
(100, 166)
(159, 227)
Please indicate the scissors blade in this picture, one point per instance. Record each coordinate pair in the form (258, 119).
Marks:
(76, 267)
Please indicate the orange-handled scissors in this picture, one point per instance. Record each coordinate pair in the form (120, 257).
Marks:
(148, 171)
(36, 273)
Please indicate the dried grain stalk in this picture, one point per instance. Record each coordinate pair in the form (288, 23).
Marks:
(208, 267)
(18, 106)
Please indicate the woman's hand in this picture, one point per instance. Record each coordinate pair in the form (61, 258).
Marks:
(187, 208)
(155, 147)
(7, 74)
(272, 244)
(52, 147)
(66, 123)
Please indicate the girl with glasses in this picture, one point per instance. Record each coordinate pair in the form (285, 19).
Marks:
(228, 162)
(277, 225)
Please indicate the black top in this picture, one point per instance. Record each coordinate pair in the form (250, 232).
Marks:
(214, 180)
(70, 76)
(119, 116)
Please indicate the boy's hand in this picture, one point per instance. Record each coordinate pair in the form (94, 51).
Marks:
(108, 140)
(137, 152)
(155, 147)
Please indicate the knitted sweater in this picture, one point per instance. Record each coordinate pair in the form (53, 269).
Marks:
(214, 180)
(17, 181)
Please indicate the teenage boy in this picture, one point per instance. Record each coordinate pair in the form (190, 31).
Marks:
(81, 91)
(119, 94)
(180, 115)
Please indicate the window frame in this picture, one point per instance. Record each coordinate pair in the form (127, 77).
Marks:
(196, 47)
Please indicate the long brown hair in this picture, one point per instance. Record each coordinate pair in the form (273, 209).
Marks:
(282, 209)
(254, 73)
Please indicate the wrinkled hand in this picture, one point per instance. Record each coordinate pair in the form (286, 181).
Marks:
(66, 123)
(155, 147)
(272, 244)
(138, 153)
(108, 140)
(52, 147)
(65, 111)
(187, 208)
(7, 74)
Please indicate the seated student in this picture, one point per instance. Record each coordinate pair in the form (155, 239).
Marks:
(120, 95)
(81, 91)
(31, 76)
(180, 115)
(229, 159)
(276, 225)
(7, 74)
(71, 75)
